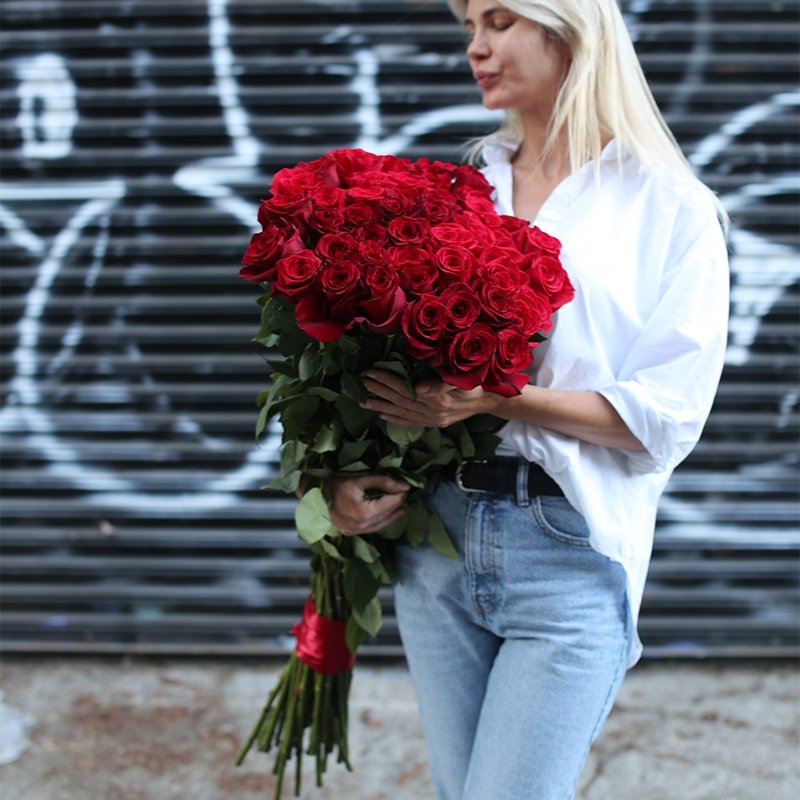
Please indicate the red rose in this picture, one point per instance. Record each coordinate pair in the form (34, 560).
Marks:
(328, 196)
(314, 319)
(341, 283)
(371, 252)
(365, 193)
(463, 306)
(294, 274)
(469, 231)
(358, 214)
(547, 275)
(497, 301)
(497, 259)
(438, 206)
(453, 234)
(264, 251)
(350, 161)
(327, 219)
(386, 300)
(531, 311)
(297, 182)
(467, 176)
(455, 263)
(287, 205)
(480, 204)
(408, 230)
(512, 356)
(380, 279)
(336, 246)
(371, 232)
(544, 241)
(468, 357)
(395, 204)
(423, 323)
(418, 274)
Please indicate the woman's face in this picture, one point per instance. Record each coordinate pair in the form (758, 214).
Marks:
(514, 64)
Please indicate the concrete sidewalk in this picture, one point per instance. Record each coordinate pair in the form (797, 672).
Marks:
(170, 730)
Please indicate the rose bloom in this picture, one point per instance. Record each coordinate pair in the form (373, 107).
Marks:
(371, 252)
(294, 182)
(366, 193)
(328, 196)
(537, 238)
(371, 232)
(295, 274)
(468, 357)
(548, 276)
(497, 302)
(463, 306)
(385, 301)
(455, 263)
(351, 161)
(340, 279)
(481, 205)
(327, 219)
(438, 206)
(395, 204)
(335, 246)
(264, 251)
(408, 230)
(341, 283)
(358, 214)
(531, 311)
(424, 322)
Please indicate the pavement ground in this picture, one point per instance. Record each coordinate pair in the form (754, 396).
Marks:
(145, 729)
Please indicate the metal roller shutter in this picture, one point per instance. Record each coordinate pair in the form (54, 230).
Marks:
(137, 138)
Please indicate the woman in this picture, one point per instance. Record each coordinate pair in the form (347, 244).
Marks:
(518, 649)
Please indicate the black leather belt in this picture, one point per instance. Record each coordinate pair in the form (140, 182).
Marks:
(499, 476)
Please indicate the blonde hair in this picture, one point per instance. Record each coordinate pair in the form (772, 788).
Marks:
(604, 93)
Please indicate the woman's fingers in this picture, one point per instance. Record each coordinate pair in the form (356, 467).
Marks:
(353, 512)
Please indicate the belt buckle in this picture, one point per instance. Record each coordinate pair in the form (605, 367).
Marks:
(460, 483)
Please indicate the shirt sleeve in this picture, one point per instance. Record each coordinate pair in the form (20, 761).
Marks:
(666, 385)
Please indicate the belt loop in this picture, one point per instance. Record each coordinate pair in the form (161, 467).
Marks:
(523, 493)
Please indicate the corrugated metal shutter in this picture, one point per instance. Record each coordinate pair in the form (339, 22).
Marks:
(137, 138)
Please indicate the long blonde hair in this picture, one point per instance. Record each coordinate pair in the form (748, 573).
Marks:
(604, 93)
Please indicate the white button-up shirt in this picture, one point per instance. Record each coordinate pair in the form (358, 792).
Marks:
(647, 330)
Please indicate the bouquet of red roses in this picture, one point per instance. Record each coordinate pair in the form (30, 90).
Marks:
(376, 262)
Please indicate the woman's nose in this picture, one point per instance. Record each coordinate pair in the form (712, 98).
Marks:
(478, 48)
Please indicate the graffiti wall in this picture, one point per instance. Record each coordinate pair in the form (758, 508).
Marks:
(137, 138)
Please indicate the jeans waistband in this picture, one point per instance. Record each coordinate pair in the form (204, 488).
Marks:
(499, 476)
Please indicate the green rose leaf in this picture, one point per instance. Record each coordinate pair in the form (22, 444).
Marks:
(356, 420)
(404, 435)
(364, 550)
(439, 539)
(353, 388)
(370, 618)
(328, 438)
(297, 414)
(312, 517)
(330, 549)
(360, 583)
(329, 395)
(310, 364)
(354, 634)
(417, 515)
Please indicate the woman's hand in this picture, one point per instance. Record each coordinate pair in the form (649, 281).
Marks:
(352, 512)
(437, 404)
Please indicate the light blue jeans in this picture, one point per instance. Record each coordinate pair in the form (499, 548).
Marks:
(517, 650)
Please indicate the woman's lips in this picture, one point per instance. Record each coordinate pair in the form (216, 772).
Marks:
(486, 79)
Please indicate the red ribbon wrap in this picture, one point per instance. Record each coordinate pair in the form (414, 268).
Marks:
(321, 642)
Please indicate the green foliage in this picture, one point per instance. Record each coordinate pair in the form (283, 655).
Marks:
(316, 390)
